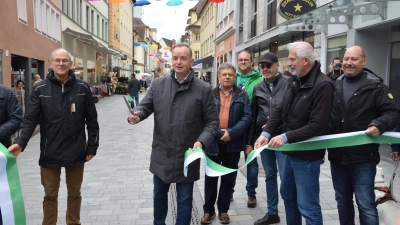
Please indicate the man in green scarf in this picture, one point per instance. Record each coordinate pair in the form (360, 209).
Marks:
(247, 78)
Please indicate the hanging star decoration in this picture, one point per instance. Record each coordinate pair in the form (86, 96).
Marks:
(297, 7)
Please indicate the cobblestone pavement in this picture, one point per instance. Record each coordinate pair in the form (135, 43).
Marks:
(117, 186)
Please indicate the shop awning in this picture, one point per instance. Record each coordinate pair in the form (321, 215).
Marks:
(198, 61)
(91, 40)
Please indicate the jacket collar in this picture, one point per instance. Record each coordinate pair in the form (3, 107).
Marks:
(235, 90)
(71, 77)
(187, 80)
(309, 79)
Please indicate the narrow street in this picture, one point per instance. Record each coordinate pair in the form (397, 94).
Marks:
(117, 186)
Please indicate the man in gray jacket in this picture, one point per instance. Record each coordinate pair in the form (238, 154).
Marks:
(185, 117)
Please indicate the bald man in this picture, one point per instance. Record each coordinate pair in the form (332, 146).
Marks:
(37, 79)
(362, 103)
(63, 105)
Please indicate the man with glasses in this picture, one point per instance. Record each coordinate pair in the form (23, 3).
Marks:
(63, 106)
(266, 97)
(302, 114)
(246, 79)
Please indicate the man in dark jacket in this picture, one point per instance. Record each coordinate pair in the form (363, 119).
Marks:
(10, 118)
(185, 117)
(303, 114)
(266, 97)
(233, 106)
(134, 88)
(361, 102)
(63, 105)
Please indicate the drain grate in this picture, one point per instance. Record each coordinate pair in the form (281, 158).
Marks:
(172, 197)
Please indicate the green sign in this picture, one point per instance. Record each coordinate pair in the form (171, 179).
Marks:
(290, 9)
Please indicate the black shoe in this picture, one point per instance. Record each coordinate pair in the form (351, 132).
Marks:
(268, 219)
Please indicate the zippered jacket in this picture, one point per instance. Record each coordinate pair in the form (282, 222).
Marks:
(263, 104)
(239, 121)
(10, 115)
(304, 111)
(370, 105)
(63, 111)
(183, 114)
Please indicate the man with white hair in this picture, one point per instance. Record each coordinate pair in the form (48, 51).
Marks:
(37, 79)
(302, 114)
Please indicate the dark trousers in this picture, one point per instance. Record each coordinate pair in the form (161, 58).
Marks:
(1, 220)
(229, 160)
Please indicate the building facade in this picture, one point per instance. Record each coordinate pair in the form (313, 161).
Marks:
(85, 35)
(31, 33)
(192, 34)
(225, 33)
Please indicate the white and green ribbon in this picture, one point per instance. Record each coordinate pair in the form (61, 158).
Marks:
(213, 169)
(11, 200)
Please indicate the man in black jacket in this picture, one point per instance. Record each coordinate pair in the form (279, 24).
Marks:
(134, 88)
(266, 97)
(302, 114)
(361, 102)
(63, 105)
(10, 118)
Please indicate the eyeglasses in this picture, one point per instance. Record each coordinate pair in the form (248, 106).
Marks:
(64, 61)
(264, 66)
(243, 60)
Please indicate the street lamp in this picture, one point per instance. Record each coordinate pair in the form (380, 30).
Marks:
(148, 41)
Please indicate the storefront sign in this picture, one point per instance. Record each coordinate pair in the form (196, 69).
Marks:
(290, 9)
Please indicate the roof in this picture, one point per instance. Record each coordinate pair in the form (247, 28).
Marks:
(140, 28)
(167, 42)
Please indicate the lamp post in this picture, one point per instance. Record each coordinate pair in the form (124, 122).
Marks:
(148, 40)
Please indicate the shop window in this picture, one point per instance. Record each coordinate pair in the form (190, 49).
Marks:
(394, 82)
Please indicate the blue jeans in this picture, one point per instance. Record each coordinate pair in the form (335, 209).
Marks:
(359, 179)
(300, 191)
(136, 97)
(270, 159)
(252, 176)
(184, 193)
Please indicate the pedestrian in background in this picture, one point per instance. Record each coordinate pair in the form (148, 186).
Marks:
(134, 88)
(37, 79)
(19, 93)
(302, 114)
(247, 78)
(361, 102)
(266, 97)
(185, 117)
(335, 69)
(233, 106)
(62, 106)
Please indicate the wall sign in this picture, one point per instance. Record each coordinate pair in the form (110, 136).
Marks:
(290, 9)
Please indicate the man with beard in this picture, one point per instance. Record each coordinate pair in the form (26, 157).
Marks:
(302, 114)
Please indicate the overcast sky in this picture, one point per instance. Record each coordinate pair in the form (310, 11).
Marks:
(170, 21)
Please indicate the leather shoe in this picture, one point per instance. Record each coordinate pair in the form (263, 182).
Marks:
(223, 218)
(207, 218)
(268, 219)
(252, 201)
